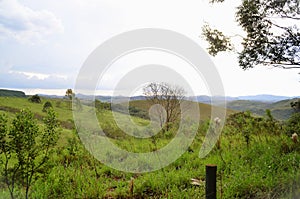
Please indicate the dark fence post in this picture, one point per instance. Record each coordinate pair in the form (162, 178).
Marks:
(211, 182)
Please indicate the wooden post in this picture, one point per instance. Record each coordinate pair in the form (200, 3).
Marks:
(211, 182)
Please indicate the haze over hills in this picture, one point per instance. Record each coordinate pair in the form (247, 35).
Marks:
(200, 98)
(279, 105)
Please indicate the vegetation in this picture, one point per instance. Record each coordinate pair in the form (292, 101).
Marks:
(296, 106)
(69, 93)
(167, 99)
(47, 106)
(35, 99)
(256, 157)
(271, 35)
(11, 93)
(25, 148)
(281, 110)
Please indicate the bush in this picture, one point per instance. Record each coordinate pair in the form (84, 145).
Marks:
(35, 99)
(25, 148)
(46, 106)
(293, 124)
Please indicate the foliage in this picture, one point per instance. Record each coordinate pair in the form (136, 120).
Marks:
(11, 93)
(69, 93)
(35, 99)
(248, 125)
(46, 106)
(25, 149)
(219, 40)
(269, 39)
(267, 168)
(296, 106)
(102, 105)
(293, 124)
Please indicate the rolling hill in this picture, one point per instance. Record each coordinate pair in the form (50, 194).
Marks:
(11, 93)
(205, 109)
(281, 110)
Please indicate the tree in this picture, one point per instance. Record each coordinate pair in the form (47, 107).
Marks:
(69, 93)
(35, 99)
(169, 98)
(271, 34)
(25, 148)
(296, 106)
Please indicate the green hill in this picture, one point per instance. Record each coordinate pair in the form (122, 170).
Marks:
(72, 172)
(281, 110)
(11, 93)
(205, 109)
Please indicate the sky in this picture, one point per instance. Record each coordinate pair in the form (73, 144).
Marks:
(44, 43)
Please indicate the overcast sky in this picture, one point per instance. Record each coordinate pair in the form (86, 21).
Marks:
(43, 43)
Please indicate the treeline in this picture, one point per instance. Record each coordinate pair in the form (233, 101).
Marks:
(11, 93)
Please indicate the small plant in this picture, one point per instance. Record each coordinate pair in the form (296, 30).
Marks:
(46, 106)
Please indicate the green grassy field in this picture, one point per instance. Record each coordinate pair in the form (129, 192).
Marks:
(265, 166)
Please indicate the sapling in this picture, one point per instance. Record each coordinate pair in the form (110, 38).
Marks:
(26, 148)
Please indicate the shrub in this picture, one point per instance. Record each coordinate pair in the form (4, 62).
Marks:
(46, 106)
(293, 124)
(35, 99)
(25, 148)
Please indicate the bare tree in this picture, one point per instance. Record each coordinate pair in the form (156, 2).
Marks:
(168, 98)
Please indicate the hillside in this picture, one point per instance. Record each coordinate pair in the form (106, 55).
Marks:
(281, 110)
(11, 93)
(74, 173)
(205, 109)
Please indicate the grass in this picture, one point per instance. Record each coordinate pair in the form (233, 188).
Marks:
(268, 168)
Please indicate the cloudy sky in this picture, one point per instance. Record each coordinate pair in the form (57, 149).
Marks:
(43, 43)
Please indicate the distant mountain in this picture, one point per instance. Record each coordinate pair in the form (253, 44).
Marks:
(279, 105)
(51, 96)
(264, 98)
(258, 98)
(11, 93)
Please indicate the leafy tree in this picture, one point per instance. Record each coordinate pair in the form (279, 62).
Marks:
(169, 98)
(296, 106)
(5, 153)
(271, 34)
(46, 106)
(25, 148)
(69, 93)
(35, 99)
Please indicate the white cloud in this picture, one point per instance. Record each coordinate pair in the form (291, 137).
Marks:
(21, 79)
(27, 25)
(88, 23)
(31, 75)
